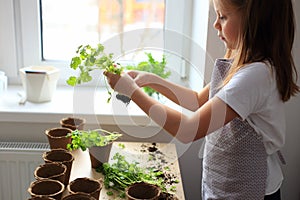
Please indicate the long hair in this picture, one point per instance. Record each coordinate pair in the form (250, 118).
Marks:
(267, 34)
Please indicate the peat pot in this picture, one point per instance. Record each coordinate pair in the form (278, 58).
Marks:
(60, 156)
(78, 196)
(86, 185)
(46, 187)
(41, 198)
(58, 137)
(99, 155)
(55, 171)
(73, 123)
(142, 191)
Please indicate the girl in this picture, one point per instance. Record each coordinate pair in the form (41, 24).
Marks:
(241, 111)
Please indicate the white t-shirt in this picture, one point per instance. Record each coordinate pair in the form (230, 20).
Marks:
(252, 93)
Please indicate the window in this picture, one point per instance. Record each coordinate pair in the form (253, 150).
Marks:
(23, 43)
(66, 24)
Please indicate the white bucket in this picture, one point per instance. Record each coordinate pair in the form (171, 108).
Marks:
(39, 82)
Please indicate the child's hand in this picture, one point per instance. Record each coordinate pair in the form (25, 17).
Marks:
(141, 78)
(123, 84)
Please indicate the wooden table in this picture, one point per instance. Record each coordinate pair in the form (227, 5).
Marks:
(162, 155)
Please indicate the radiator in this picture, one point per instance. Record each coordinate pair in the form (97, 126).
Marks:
(18, 160)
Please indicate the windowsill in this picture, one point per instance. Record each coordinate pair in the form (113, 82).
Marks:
(90, 103)
(87, 102)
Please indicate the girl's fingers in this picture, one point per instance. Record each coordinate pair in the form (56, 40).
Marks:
(132, 74)
(105, 73)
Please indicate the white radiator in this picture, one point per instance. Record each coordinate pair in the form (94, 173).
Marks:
(18, 161)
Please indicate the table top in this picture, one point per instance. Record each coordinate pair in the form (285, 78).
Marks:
(157, 155)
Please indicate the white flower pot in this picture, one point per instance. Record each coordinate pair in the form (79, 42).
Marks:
(39, 82)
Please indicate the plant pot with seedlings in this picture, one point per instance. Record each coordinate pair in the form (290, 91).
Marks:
(89, 59)
(98, 142)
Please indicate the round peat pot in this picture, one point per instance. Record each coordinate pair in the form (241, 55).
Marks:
(86, 185)
(55, 171)
(46, 187)
(60, 156)
(99, 155)
(142, 191)
(41, 198)
(167, 196)
(58, 137)
(73, 123)
(78, 196)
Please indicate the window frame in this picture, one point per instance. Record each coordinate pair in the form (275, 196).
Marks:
(25, 41)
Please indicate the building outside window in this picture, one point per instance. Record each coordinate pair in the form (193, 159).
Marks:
(66, 24)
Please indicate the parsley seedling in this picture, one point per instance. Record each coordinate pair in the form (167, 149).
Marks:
(121, 174)
(153, 66)
(85, 139)
(88, 59)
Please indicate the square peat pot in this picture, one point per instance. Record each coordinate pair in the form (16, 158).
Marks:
(99, 155)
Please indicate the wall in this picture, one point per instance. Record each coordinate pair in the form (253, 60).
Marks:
(291, 151)
(291, 184)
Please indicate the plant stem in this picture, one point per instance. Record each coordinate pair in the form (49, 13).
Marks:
(102, 130)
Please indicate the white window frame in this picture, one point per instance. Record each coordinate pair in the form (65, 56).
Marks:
(21, 41)
(8, 49)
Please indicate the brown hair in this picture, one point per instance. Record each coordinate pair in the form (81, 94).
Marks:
(267, 34)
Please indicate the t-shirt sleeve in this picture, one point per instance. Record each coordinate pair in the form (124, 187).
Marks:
(248, 89)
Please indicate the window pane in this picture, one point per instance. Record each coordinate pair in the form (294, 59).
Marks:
(66, 24)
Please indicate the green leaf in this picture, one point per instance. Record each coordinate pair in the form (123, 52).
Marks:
(72, 81)
(85, 77)
(75, 62)
(153, 66)
(100, 48)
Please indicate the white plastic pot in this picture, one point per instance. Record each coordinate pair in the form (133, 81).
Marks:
(39, 82)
